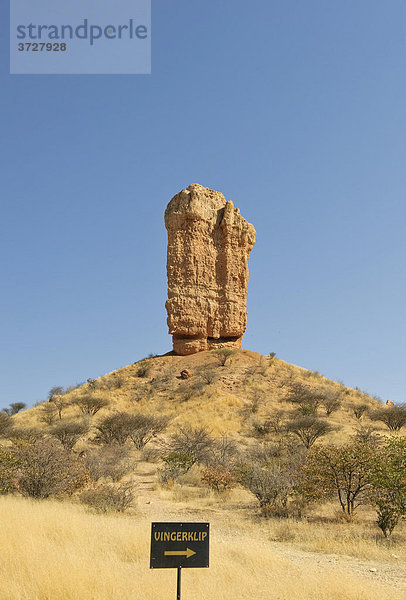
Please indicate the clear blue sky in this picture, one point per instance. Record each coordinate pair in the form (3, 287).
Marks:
(294, 110)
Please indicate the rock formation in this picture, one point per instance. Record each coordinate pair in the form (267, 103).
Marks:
(208, 247)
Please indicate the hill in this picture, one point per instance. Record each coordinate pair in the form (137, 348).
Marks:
(235, 398)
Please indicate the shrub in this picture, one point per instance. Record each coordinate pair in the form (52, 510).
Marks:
(218, 478)
(208, 375)
(193, 442)
(144, 368)
(140, 428)
(6, 424)
(59, 402)
(308, 429)
(48, 413)
(57, 390)
(388, 480)
(269, 472)
(68, 433)
(8, 464)
(15, 408)
(112, 462)
(146, 427)
(224, 355)
(45, 469)
(176, 465)
(107, 497)
(90, 405)
(394, 417)
(331, 402)
(306, 399)
(223, 452)
(359, 410)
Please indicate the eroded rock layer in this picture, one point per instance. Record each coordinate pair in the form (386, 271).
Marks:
(207, 265)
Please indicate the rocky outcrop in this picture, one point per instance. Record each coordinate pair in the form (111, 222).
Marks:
(208, 247)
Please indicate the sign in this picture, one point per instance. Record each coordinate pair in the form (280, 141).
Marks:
(175, 545)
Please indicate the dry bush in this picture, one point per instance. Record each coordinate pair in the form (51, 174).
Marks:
(46, 469)
(6, 424)
(29, 434)
(208, 374)
(193, 442)
(112, 462)
(359, 409)
(394, 417)
(223, 452)
(90, 405)
(218, 478)
(48, 413)
(108, 498)
(139, 428)
(304, 398)
(144, 368)
(331, 401)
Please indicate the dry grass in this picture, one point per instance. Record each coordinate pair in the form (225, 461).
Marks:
(55, 551)
(223, 406)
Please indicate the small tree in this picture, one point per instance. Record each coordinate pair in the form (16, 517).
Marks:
(146, 427)
(48, 414)
(90, 405)
(359, 410)
(308, 429)
(331, 402)
(394, 417)
(388, 480)
(45, 469)
(68, 433)
(60, 403)
(195, 443)
(224, 355)
(306, 399)
(115, 428)
(17, 406)
(56, 390)
(139, 428)
(343, 471)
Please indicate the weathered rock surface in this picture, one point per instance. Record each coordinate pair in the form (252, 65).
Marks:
(207, 265)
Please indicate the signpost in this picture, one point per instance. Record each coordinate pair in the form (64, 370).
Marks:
(180, 546)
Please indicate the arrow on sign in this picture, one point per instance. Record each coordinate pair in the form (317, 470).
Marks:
(188, 552)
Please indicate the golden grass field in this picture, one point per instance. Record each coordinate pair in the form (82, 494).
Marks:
(57, 551)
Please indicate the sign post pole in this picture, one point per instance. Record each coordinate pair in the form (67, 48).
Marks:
(179, 546)
(178, 583)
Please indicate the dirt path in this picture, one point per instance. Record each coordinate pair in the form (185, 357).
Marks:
(392, 575)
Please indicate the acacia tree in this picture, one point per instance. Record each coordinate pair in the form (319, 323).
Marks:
(394, 417)
(68, 433)
(90, 405)
(308, 429)
(342, 471)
